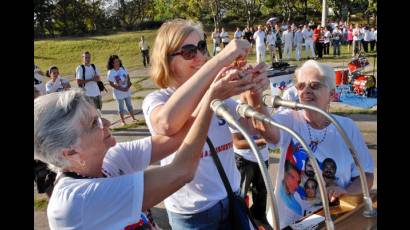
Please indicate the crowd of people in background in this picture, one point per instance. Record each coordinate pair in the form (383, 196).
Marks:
(319, 41)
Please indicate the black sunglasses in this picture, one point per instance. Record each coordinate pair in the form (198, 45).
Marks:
(188, 52)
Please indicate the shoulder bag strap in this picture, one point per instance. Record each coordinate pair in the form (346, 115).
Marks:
(220, 168)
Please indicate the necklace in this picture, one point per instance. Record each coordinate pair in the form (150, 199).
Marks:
(314, 143)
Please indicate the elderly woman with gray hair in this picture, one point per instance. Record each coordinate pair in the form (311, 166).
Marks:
(315, 85)
(73, 139)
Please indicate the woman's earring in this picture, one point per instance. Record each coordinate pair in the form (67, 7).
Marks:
(82, 163)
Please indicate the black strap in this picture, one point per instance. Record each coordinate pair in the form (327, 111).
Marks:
(220, 168)
(224, 178)
(92, 65)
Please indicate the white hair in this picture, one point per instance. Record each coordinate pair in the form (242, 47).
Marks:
(325, 70)
(59, 119)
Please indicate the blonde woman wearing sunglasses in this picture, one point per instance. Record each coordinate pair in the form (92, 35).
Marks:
(315, 85)
(182, 70)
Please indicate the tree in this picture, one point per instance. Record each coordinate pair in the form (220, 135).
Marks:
(133, 12)
(43, 23)
(217, 12)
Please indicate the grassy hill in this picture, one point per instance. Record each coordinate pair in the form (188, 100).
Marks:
(65, 53)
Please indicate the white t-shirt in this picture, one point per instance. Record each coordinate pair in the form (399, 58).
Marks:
(206, 189)
(356, 34)
(104, 203)
(259, 37)
(366, 36)
(270, 39)
(237, 34)
(56, 86)
(91, 87)
(127, 157)
(290, 94)
(287, 37)
(225, 37)
(293, 207)
(308, 35)
(248, 153)
(119, 77)
(298, 39)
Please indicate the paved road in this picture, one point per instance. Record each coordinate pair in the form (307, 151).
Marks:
(366, 123)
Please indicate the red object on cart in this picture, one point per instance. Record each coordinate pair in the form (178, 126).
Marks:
(357, 64)
(362, 83)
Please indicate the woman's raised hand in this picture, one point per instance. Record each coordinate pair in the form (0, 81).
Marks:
(236, 49)
(229, 83)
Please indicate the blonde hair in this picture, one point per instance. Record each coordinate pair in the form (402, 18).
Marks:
(169, 38)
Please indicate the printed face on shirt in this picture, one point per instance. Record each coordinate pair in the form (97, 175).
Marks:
(184, 69)
(329, 168)
(292, 180)
(311, 188)
(309, 169)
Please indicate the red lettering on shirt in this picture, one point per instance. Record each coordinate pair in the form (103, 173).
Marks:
(218, 149)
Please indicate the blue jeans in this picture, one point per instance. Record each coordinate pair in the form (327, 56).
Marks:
(215, 217)
(127, 101)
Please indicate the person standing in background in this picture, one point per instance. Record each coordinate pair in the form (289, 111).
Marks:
(259, 37)
(287, 38)
(216, 40)
(144, 48)
(87, 76)
(298, 40)
(225, 37)
(119, 79)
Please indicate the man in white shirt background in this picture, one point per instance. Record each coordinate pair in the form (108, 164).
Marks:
(308, 36)
(298, 40)
(87, 76)
(287, 38)
(259, 37)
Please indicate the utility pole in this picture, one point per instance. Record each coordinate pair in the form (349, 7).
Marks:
(324, 12)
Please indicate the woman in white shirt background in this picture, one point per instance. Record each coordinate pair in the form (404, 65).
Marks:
(56, 83)
(119, 79)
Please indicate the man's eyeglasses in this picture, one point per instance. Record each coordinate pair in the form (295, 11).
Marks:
(189, 52)
(313, 85)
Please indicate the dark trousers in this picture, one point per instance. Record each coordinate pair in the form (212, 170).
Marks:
(279, 50)
(326, 48)
(251, 174)
(372, 43)
(319, 49)
(145, 57)
(365, 46)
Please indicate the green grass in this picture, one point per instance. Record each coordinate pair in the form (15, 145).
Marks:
(65, 53)
(40, 203)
